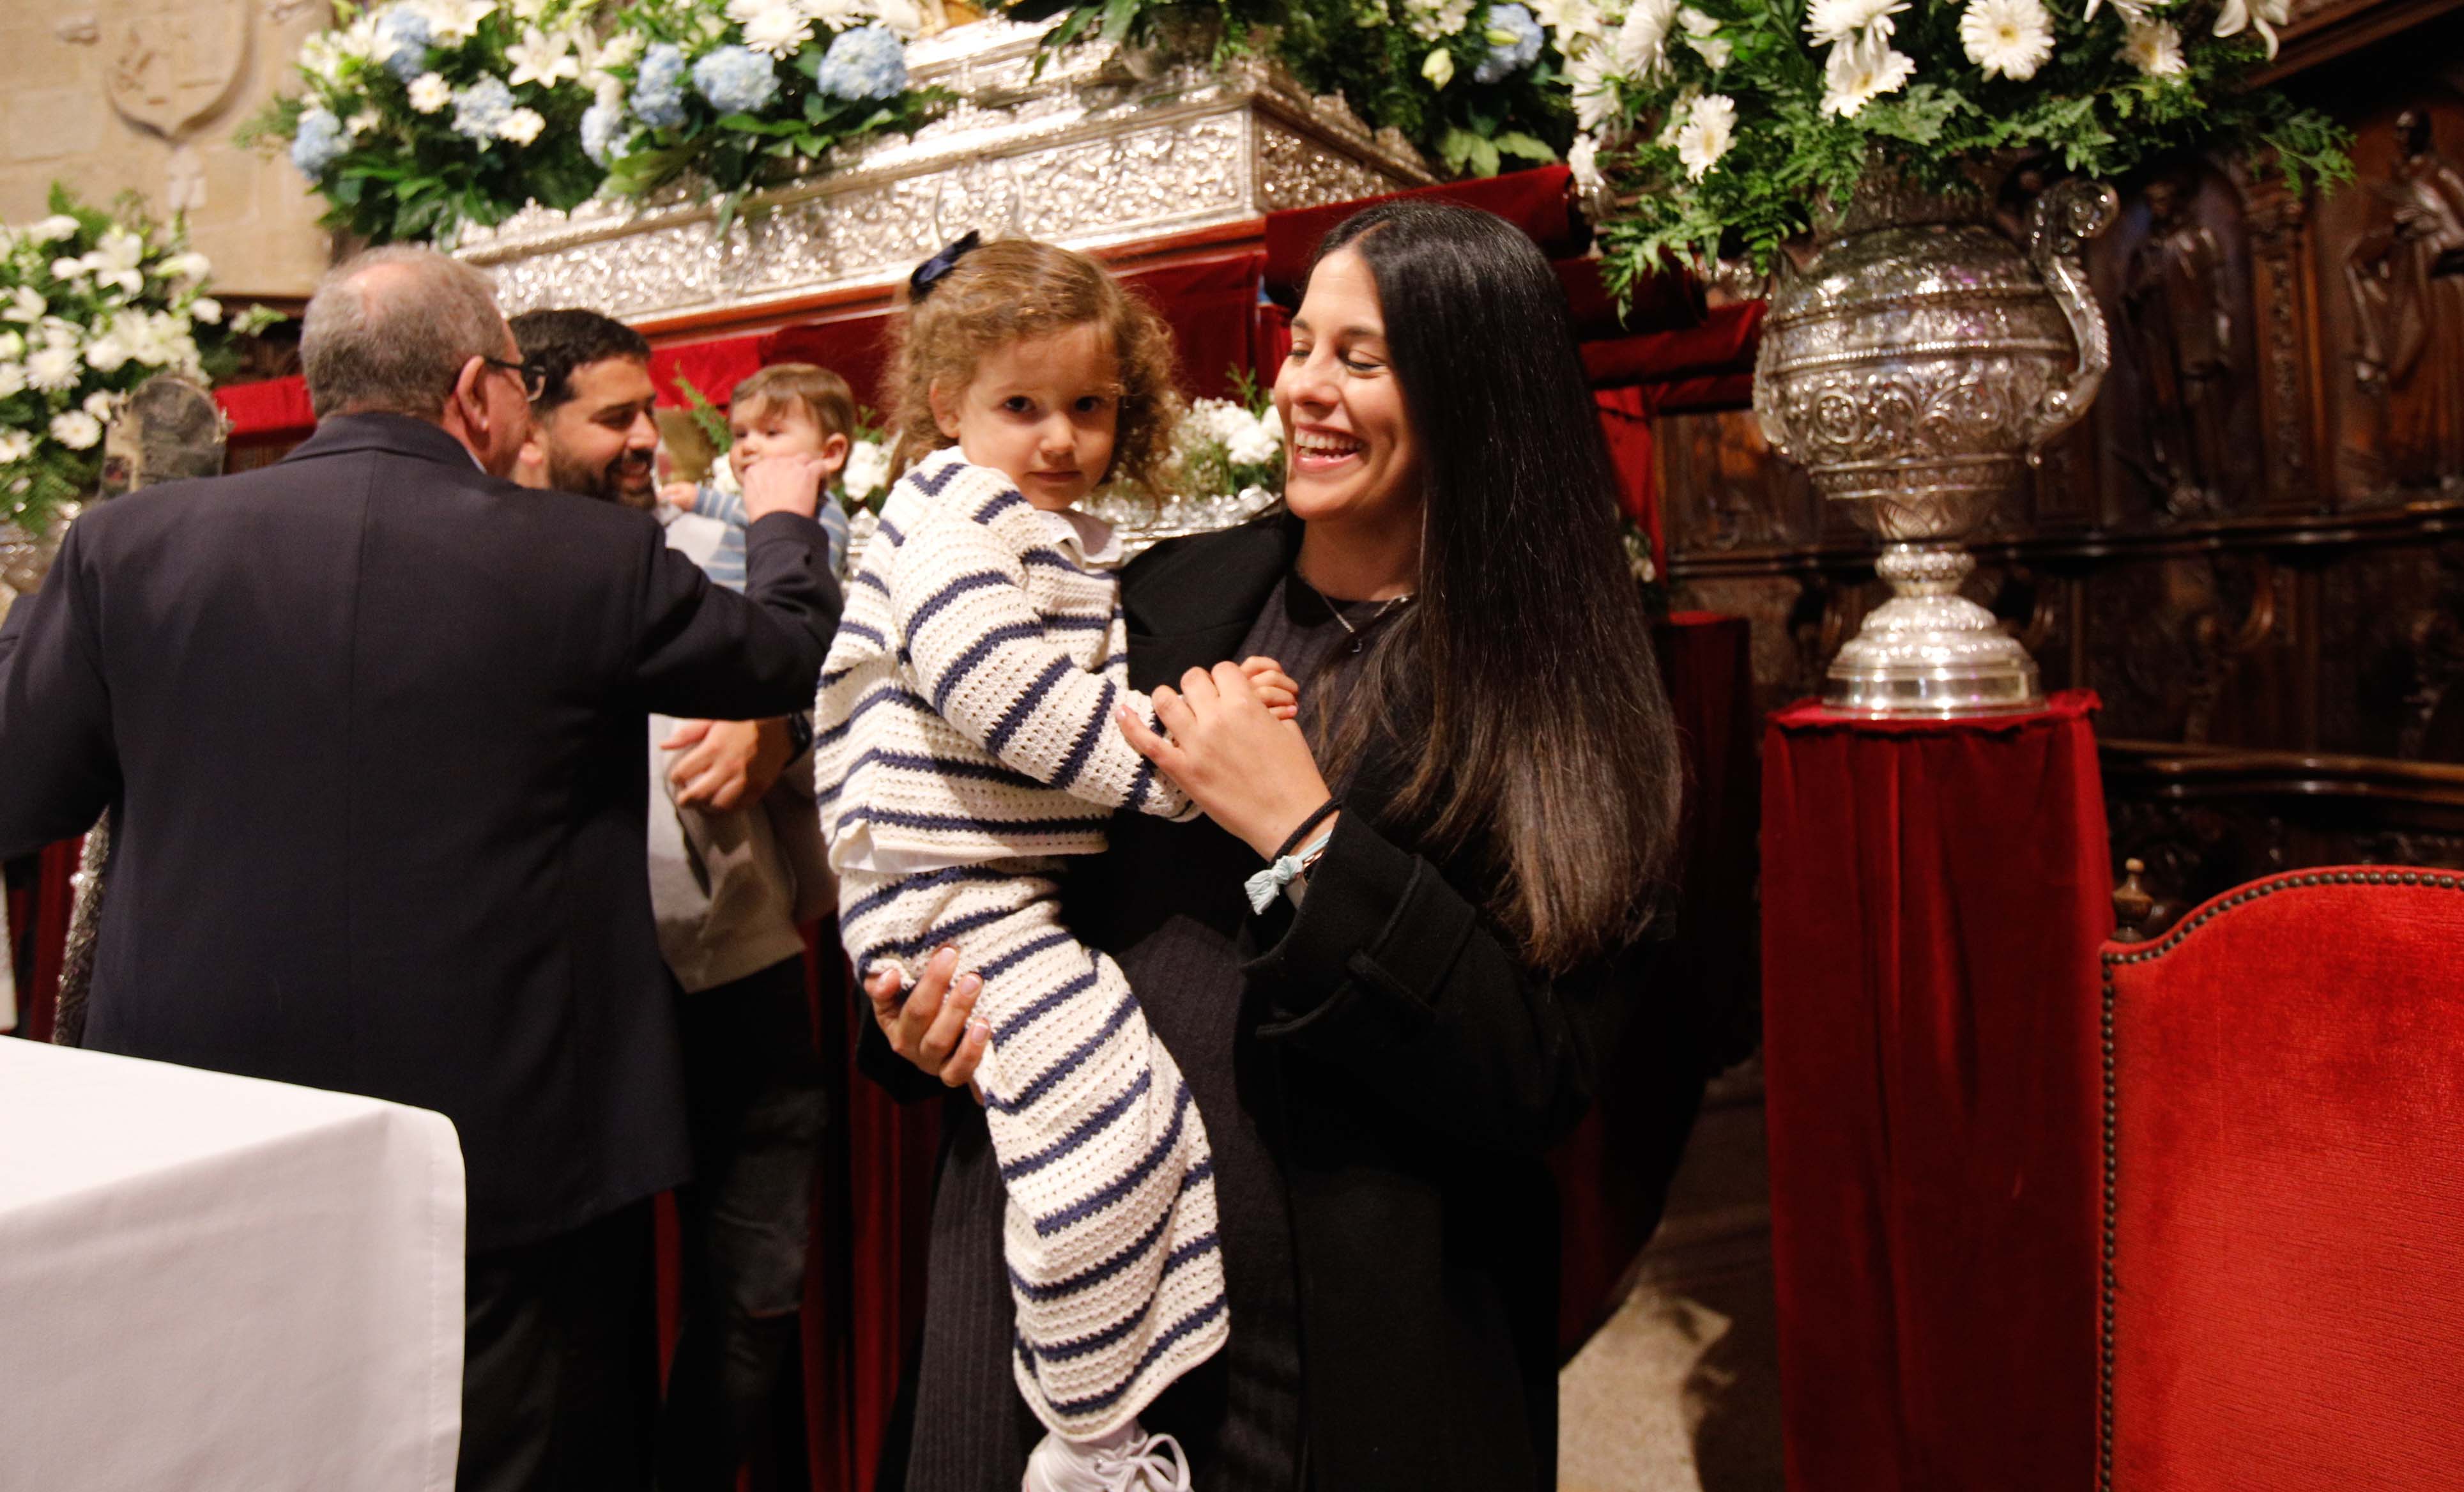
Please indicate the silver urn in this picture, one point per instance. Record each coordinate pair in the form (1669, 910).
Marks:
(1916, 368)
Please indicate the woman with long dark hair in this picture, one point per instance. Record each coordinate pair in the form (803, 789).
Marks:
(1464, 845)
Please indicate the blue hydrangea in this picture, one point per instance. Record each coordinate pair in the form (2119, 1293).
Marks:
(318, 142)
(659, 86)
(736, 80)
(868, 62)
(481, 108)
(1518, 49)
(403, 39)
(603, 129)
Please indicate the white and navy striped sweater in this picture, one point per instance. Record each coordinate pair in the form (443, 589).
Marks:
(966, 738)
(966, 707)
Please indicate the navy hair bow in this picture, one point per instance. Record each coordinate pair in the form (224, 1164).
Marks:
(929, 272)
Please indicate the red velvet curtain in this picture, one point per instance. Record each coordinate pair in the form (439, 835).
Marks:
(1933, 898)
(38, 924)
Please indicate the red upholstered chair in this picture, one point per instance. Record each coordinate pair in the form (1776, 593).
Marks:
(2284, 1190)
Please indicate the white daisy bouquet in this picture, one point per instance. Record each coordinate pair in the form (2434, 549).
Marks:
(91, 306)
(743, 92)
(1712, 128)
(1231, 447)
(420, 116)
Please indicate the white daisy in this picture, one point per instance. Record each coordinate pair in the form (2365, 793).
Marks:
(521, 127)
(1595, 103)
(1846, 20)
(76, 430)
(1858, 73)
(2154, 48)
(2008, 37)
(1710, 128)
(429, 92)
(776, 30)
(1641, 49)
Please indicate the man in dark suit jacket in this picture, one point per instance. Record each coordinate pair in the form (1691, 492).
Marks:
(370, 722)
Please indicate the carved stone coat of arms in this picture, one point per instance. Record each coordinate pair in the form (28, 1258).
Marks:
(169, 66)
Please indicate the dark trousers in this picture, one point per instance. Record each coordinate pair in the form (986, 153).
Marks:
(560, 1368)
(756, 1091)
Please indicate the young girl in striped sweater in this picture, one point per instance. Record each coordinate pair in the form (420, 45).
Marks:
(967, 744)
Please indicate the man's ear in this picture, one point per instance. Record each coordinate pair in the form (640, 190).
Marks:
(945, 410)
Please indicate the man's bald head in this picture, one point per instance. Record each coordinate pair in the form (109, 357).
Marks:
(392, 329)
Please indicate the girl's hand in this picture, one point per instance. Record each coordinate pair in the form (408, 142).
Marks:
(681, 494)
(1275, 688)
(1251, 772)
(934, 1027)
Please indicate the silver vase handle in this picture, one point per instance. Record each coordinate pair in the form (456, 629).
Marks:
(2059, 228)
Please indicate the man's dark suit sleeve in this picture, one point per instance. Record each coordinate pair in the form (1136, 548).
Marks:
(708, 653)
(57, 773)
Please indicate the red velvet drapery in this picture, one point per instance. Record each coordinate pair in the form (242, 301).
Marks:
(1933, 897)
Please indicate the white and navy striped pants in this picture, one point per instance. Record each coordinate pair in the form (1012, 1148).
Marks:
(1115, 1262)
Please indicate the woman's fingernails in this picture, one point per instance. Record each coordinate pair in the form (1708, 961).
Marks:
(980, 1026)
(970, 985)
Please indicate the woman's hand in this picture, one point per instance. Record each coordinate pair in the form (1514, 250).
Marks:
(936, 1026)
(1251, 772)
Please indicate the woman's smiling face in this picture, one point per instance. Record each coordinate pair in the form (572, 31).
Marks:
(1352, 456)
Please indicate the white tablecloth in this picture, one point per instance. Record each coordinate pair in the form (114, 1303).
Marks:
(209, 1282)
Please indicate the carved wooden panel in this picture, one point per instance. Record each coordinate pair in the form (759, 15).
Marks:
(2390, 266)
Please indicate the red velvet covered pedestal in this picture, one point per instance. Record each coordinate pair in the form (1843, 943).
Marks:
(1933, 897)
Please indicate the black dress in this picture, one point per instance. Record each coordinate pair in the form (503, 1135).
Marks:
(1377, 1077)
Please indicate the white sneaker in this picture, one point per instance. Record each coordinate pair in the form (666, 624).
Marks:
(1126, 1460)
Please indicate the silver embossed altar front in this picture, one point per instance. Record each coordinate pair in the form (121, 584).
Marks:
(1105, 146)
(1915, 368)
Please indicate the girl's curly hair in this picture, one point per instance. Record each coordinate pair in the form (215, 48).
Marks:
(1010, 290)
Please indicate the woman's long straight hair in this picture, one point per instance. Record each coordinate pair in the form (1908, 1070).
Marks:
(1522, 673)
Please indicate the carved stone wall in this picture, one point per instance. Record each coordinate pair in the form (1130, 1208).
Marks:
(142, 96)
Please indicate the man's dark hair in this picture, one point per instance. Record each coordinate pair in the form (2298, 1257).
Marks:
(555, 342)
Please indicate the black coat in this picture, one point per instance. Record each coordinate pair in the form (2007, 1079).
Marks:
(1406, 1070)
(372, 722)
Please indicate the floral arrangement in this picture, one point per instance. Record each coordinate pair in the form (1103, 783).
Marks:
(1480, 87)
(1231, 447)
(1712, 128)
(741, 91)
(91, 306)
(419, 116)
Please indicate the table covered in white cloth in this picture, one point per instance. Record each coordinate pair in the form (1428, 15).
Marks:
(210, 1283)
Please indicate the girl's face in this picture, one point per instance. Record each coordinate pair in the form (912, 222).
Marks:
(1351, 452)
(1041, 412)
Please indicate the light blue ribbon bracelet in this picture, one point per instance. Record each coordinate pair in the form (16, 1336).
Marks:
(1264, 886)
